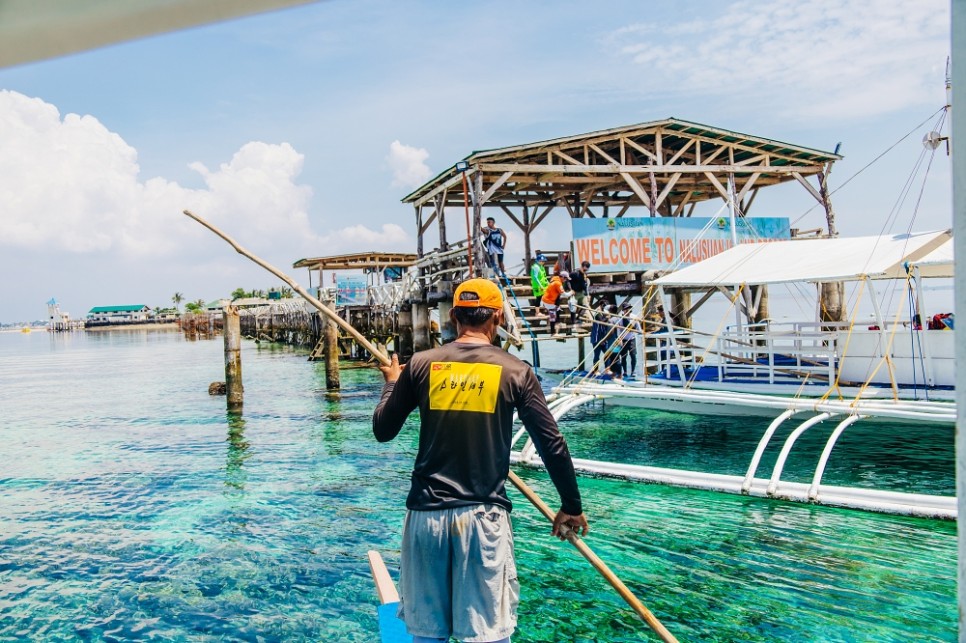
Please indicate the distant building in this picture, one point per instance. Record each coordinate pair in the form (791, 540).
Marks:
(57, 319)
(249, 302)
(133, 314)
(216, 305)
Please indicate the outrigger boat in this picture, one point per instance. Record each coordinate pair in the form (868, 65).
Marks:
(391, 628)
(815, 371)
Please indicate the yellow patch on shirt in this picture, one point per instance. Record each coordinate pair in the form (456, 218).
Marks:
(458, 386)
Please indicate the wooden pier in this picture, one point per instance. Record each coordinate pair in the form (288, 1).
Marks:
(658, 169)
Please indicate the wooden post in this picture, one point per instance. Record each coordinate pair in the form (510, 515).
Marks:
(331, 334)
(439, 204)
(581, 354)
(680, 305)
(833, 296)
(405, 333)
(447, 331)
(419, 230)
(233, 365)
(421, 339)
(527, 253)
(479, 257)
(761, 312)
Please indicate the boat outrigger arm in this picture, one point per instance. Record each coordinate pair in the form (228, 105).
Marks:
(843, 413)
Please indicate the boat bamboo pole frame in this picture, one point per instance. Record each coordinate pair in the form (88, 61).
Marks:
(541, 506)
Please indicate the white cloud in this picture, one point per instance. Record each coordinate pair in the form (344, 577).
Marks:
(826, 58)
(69, 184)
(407, 165)
(358, 237)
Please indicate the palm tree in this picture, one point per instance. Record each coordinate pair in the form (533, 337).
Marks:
(177, 298)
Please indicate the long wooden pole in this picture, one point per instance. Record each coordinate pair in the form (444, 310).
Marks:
(322, 308)
(530, 494)
(595, 560)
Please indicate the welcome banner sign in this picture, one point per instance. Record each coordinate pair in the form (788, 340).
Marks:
(665, 243)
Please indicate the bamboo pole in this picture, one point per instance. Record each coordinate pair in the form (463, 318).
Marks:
(597, 563)
(318, 305)
(530, 494)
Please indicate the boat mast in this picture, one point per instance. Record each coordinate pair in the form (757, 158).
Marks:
(957, 78)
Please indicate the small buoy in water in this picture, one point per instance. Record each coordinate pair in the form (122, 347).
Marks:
(217, 388)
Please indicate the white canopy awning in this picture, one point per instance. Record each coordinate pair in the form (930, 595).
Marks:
(809, 260)
(938, 263)
(38, 29)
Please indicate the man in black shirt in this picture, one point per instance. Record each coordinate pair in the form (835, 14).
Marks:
(578, 281)
(457, 575)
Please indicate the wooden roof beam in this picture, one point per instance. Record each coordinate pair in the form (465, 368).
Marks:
(604, 154)
(548, 170)
(747, 186)
(538, 219)
(637, 188)
(680, 152)
(567, 157)
(679, 209)
(450, 182)
(808, 186)
(496, 186)
(640, 149)
(513, 218)
(717, 186)
(667, 189)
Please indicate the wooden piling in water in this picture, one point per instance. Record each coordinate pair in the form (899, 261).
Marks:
(233, 366)
(421, 334)
(405, 333)
(331, 337)
(447, 330)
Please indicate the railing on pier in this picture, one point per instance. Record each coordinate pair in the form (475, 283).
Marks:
(767, 352)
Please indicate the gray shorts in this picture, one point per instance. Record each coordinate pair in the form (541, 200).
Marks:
(457, 575)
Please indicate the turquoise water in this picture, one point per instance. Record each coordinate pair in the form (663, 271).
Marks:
(132, 507)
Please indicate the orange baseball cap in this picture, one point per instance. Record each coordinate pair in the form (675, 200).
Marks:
(478, 293)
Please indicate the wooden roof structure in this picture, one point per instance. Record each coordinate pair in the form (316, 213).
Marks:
(665, 166)
(359, 261)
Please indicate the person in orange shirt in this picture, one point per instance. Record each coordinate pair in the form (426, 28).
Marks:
(550, 298)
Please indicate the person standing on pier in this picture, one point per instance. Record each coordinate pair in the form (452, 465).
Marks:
(494, 240)
(538, 275)
(552, 298)
(613, 343)
(457, 572)
(578, 281)
(631, 329)
(598, 334)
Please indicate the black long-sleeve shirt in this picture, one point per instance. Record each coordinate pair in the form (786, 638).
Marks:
(466, 395)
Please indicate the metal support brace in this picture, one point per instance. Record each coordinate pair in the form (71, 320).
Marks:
(820, 469)
(760, 450)
(787, 447)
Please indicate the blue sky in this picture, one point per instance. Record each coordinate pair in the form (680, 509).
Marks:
(299, 131)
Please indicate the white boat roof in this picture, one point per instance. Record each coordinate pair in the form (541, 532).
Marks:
(938, 263)
(809, 260)
(33, 30)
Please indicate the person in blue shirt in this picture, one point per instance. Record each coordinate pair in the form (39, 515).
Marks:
(494, 240)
